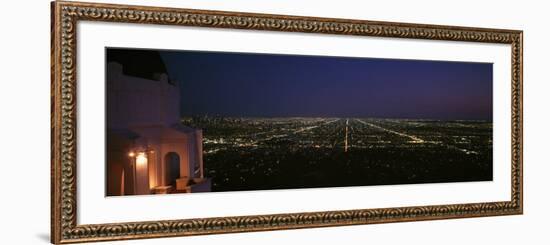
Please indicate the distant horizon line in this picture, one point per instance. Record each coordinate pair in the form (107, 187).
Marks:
(336, 117)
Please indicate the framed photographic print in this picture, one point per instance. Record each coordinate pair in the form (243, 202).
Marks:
(175, 122)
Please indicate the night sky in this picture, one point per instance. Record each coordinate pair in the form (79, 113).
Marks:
(267, 85)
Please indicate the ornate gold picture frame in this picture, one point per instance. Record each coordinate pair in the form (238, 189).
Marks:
(66, 15)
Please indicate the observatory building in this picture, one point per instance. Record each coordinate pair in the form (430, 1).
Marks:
(149, 151)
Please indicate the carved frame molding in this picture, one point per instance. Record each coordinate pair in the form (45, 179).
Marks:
(65, 16)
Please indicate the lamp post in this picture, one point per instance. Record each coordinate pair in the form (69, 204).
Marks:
(140, 159)
(132, 155)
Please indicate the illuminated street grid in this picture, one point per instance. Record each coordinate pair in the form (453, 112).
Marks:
(280, 153)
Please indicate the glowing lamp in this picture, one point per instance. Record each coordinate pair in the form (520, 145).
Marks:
(141, 159)
(131, 154)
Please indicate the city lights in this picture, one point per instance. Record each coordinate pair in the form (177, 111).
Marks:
(290, 152)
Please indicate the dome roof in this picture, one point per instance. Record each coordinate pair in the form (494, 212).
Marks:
(138, 62)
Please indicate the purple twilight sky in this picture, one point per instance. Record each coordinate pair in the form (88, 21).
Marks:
(267, 85)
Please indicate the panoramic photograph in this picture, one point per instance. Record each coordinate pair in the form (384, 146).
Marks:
(182, 121)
